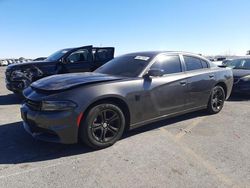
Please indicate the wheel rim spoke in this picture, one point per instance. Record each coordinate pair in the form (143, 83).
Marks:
(96, 128)
(220, 101)
(103, 134)
(113, 118)
(113, 128)
(217, 99)
(103, 114)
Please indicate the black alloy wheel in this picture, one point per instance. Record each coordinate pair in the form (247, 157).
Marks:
(103, 126)
(106, 125)
(217, 100)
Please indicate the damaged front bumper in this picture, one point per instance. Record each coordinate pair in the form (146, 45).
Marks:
(17, 86)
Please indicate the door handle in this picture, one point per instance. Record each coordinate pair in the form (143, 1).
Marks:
(183, 83)
(211, 76)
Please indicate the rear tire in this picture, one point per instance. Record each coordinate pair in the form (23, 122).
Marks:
(102, 126)
(216, 101)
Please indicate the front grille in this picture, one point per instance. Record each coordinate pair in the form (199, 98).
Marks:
(33, 105)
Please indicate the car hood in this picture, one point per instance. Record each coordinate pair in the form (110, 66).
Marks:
(238, 73)
(29, 64)
(68, 81)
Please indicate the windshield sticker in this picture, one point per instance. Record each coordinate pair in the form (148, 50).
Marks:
(144, 58)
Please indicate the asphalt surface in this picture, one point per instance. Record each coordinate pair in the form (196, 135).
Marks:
(194, 150)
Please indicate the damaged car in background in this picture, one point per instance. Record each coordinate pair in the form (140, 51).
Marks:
(81, 59)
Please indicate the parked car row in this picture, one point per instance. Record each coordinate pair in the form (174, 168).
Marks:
(6, 62)
(219, 60)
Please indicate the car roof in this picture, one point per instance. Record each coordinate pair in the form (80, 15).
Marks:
(154, 53)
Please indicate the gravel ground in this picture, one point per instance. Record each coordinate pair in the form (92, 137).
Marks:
(194, 150)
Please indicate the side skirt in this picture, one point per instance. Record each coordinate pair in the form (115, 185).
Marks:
(136, 125)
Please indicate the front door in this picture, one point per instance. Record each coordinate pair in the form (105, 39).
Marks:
(168, 93)
(80, 60)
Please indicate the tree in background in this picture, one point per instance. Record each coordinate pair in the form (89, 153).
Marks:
(248, 52)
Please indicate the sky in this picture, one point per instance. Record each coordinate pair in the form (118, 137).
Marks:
(35, 28)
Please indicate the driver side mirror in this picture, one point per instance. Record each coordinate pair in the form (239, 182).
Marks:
(155, 73)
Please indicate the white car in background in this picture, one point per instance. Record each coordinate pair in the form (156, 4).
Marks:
(9, 61)
(3, 63)
(219, 60)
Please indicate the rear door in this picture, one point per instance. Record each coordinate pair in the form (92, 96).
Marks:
(102, 55)
(200, 82)
(79, 60)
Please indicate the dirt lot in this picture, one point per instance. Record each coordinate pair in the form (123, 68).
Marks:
(194, 150)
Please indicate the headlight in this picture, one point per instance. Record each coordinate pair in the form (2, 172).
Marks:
(246, 78)
(17, 74)
(57, 105)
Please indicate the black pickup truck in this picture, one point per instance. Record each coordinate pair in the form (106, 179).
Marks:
(81, 59)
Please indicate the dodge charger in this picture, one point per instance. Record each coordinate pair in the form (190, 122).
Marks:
(129, 91)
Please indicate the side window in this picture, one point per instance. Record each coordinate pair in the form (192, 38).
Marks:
(103, 55)
(192, 63)
(169, 63)
(78, 56)
(204, 64)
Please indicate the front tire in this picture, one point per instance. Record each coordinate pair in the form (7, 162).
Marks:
(216, 101)
(103, 125)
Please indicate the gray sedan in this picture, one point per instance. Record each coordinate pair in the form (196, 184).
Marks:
(129, 91)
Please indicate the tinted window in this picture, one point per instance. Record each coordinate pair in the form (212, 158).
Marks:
(78, 56)
(170, 64)
(204, 64)
(103, 55)
(126, 65)
(192, 63)
(57, 55)
(239, 64)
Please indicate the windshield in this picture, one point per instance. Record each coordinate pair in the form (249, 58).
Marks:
(57, 55)
(126, 65)
(239, 64)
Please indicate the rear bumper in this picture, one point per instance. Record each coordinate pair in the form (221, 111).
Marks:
(59, 127)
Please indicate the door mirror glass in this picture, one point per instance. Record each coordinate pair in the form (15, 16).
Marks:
(155, 72)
